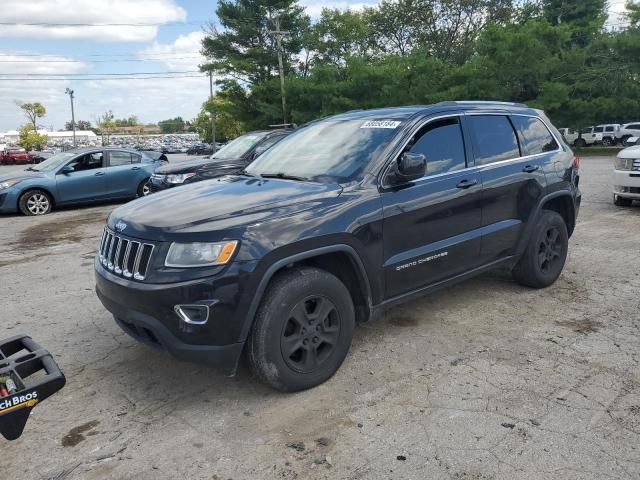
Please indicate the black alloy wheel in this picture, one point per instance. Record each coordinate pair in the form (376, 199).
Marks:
(310, 334)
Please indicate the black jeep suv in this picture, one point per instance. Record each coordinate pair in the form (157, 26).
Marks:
(341, 219)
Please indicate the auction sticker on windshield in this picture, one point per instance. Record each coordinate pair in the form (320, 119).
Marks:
(381, 124)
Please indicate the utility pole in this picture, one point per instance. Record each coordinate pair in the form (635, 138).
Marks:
(73, 116)
(279, 34)
(213, 113)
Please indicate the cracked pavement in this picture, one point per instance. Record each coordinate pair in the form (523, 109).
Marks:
(485, 380)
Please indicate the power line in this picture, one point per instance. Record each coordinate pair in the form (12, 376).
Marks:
(84, 24)
(96, 79)
(119, 60)
(96, 74)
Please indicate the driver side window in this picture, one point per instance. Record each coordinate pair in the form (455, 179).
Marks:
(442, 144)
(89, 161)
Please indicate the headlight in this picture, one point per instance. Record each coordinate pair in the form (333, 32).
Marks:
(8, 184)
(188, 255)
(179, 178)
(623, 163)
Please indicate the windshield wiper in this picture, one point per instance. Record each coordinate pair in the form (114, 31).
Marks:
(31, 169)
(285, 176)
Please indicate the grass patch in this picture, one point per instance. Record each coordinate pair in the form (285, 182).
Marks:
(597, 151)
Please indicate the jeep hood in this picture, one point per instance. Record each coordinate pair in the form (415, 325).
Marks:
(214, 208)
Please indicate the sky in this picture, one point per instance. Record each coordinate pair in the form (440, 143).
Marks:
(32, 52)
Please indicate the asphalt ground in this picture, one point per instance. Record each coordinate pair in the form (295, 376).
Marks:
(485, 380)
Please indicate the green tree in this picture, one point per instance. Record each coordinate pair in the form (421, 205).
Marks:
(173, 125)
(80, 125)
(30, 139)
(633, 13)
(33, 111)
(227, 127)
(243, 47)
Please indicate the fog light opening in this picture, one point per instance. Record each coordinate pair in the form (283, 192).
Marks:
(192, 314)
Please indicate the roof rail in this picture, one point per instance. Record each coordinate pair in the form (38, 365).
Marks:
(483, 102)
(284, 125)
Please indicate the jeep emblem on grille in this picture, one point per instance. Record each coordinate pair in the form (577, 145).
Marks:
(120, 226)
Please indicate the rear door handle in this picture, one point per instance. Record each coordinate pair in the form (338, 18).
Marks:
(97, 174)
(531, 168)
(467, 183)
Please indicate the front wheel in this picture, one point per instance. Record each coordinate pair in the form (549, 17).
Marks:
(302, 331)
(35, 202)
(143, 188)
(607, 142)
(545, 255)
(580, 143)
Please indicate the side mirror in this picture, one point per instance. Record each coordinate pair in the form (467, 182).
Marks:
(410, 166)
(67, 169)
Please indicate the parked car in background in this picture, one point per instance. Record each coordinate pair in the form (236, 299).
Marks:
(609, 133)
(588, 136)
(230, 159)
(626, 177)
(77, 176)
(200, 149)
(628, 131)
(41, 156)
(16, 156)
(570, 135)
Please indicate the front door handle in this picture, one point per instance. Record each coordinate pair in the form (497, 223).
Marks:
(467, 184)
(98, 174)
(531, 168)
(135, 168)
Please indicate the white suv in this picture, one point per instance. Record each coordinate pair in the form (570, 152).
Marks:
(570, 135)
(627, 131)
(626, 177)
(609, 132)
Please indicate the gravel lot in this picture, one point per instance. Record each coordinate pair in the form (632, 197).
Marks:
(486, 380)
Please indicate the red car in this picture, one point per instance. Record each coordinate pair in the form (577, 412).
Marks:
(15, 156)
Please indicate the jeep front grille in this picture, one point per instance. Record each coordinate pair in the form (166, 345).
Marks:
(123, 256)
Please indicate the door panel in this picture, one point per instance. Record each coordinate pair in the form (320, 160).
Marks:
(511, 193)
(431, 231)
(432, 225)
(86, 183)
(124, 174)
(513, 182)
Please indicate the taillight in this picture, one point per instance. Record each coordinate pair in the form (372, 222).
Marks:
(576, 162)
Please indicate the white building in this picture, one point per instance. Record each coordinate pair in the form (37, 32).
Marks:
(82, 136)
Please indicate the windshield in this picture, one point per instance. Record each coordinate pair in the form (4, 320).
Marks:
(335, 150)
(238, 147)
(54, 162)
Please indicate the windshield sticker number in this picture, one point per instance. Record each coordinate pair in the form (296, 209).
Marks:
(380, 124)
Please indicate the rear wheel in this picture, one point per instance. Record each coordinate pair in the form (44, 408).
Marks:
(580, 143)
(607, 142)
(546, 253)
(34, 202)
(303, 330)
(619, 201)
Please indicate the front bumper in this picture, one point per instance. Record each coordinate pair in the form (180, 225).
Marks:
(146, 312)
(626, 184)
(8, 201)
(157, 185)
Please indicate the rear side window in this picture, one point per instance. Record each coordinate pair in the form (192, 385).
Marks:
(442, 144)
(117, 159)
(609, 129)
(586, 130)
(635, 126)
(536, 137)
(598, 129)
(494, 138)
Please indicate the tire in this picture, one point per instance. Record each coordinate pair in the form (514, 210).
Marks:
(289, 347)
(580, 143)
(35, 202)
(607, 142)
(143, 188)
(619, 201)
(545, 255)
(625, 141)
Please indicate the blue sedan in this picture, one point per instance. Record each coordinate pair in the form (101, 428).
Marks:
(78, 176)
